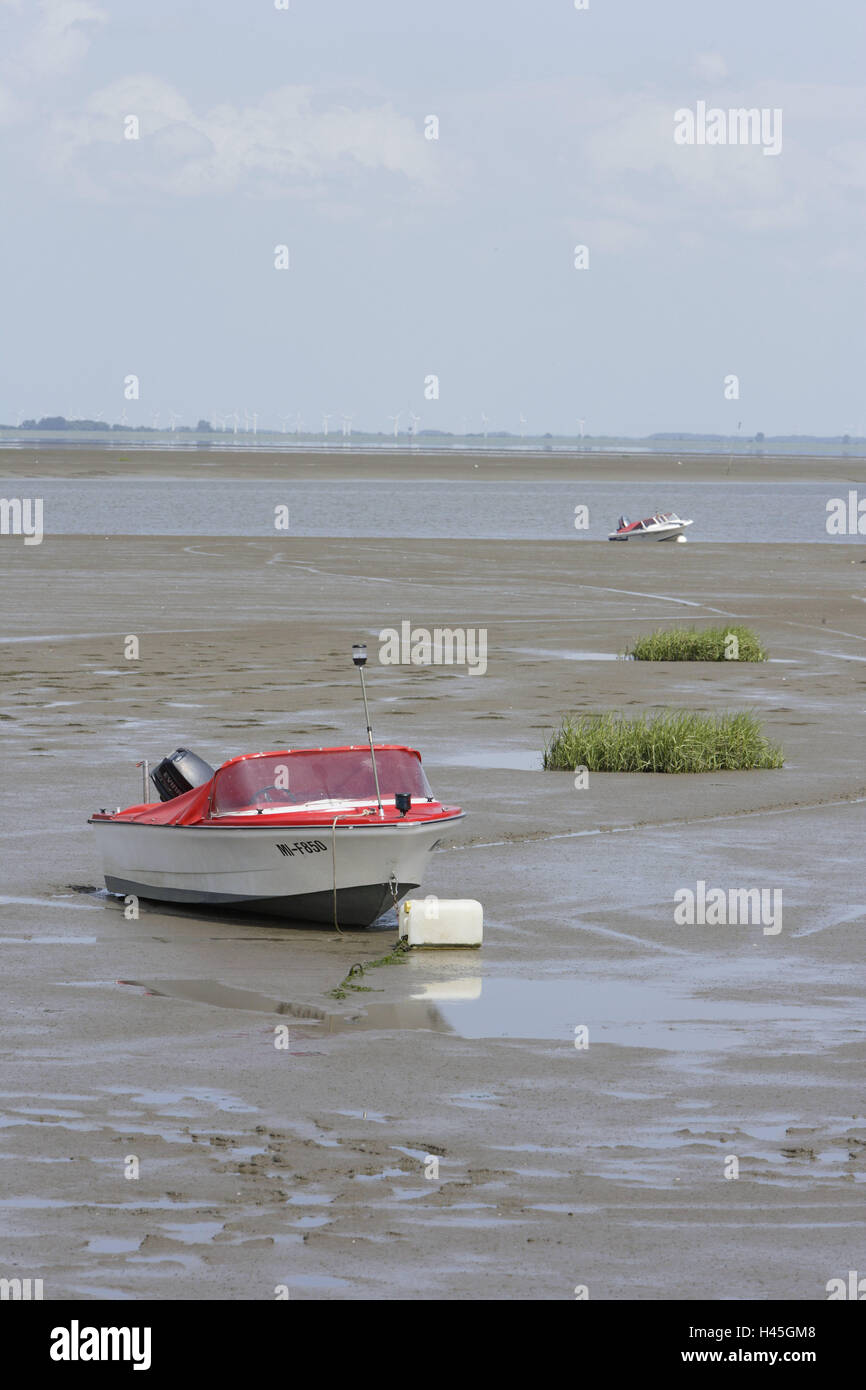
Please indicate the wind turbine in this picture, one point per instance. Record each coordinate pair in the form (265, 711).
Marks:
(413, 423)
(522, 426)
(299, 424)
(347, 426)
(283, 419)
(235, 418)
(484, 423)
(396, 419)
(155, 420)
(20, 417)
(325, 420)
(174, 415)
(218, 420)
(581, 423)
(123, 419)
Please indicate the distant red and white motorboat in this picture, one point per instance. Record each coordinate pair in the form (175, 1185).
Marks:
(664, 526)
(305, 834)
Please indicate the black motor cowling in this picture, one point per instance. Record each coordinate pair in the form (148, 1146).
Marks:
(179, 773)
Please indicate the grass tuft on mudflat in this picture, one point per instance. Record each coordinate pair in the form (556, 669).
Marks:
(673, 741)
(735, 643)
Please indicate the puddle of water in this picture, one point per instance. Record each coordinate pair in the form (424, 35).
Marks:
(371, 1115)
(315, 1281)
(40, 1203)
(572, 655)
(542, 1173)
(470, 988)
(48, 1110)
(648, 1014)
(16, 1120)
(409, 1013)
(203, 1095)
(193, 1232)
(47, 902)
(377, 1177)
(534, 1149)
(560, 1207)
(53, 637)
(188, 1262)
(104, 1291)
(111, 1245)
(48, 940)
(36, 1158)
(42, 1095)
(447, 1221)
(227, 997)
(34, 1203)
(509, 760)
(472, 1100)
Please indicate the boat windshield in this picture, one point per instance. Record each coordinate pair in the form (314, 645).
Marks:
(326, 775)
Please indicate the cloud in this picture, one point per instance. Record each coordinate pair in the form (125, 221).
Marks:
(10, 108)
(60, 39)
(291, 140)
(710, 66)
(600, 159)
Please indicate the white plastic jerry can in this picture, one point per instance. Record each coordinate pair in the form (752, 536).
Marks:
(433, 921)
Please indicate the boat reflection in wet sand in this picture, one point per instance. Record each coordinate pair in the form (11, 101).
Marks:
(664, 526)
(420, 1010)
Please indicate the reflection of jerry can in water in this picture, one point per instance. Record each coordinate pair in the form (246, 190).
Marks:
(433, 921)
(452, 991)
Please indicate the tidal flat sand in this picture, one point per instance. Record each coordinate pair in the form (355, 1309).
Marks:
(557, 1166)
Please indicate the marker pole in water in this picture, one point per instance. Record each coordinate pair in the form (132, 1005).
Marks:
(359, 656)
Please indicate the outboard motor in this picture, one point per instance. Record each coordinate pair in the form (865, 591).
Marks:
(179, 773)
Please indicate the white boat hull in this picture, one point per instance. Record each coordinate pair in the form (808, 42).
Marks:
(651, 533)
(276, 870)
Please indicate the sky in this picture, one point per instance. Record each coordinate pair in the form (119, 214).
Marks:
(433, 278)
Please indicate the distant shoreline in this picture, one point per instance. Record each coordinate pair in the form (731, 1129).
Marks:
(343, 461)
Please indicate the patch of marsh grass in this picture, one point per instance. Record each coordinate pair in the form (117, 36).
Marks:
(672, 741)
(734, 643)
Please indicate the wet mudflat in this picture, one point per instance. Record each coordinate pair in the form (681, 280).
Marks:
(581, 1082)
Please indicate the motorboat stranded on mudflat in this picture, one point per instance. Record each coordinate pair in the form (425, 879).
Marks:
(315, 834)
(664, 526)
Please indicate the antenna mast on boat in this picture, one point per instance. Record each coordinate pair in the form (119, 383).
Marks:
(359, 656)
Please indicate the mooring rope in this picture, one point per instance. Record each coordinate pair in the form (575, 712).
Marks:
(334, 860)
(334, 869)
